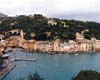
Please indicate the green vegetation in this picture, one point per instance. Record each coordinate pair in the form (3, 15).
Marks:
(1, 59)
(87, 75)
(38, 24)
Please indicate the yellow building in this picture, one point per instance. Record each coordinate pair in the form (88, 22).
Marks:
(29, 45)
(44, 46)
(97, 45)
(12, 42)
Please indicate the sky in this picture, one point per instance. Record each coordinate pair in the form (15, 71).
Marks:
(87, 10)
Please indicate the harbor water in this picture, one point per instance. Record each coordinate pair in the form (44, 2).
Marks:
(53, 67)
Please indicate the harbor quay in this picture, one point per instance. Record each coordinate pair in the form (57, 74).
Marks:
(64, 46)
(55, 46)
(5, 70)
(7, 61)
(6, 65)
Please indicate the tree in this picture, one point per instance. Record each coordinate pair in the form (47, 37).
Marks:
(71, 35)
(87, 35)
(35, 76)
(1, 60)
(87, 75)
(41, 36)
(38, 24)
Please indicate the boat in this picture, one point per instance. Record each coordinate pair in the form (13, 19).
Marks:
(66, 54)
(59, 54)
(76, 54)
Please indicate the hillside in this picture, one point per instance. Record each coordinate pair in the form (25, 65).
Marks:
(43, 28)
(3, 15)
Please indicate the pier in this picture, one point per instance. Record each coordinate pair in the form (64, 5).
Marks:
(25, 59)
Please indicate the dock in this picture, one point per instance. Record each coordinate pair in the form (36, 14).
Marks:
(6, 70)
(25, 59)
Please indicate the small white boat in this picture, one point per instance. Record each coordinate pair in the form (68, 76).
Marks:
(59, 54)
(76, 54)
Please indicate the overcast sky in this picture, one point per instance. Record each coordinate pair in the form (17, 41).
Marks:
(67, 9)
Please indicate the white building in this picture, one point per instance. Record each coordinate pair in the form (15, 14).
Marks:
(52, 22)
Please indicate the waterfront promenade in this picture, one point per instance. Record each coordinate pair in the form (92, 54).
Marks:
(6, 70)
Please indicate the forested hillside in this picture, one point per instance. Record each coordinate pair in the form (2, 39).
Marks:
(38, 25)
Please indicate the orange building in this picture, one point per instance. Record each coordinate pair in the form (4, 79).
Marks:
(29, 45)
